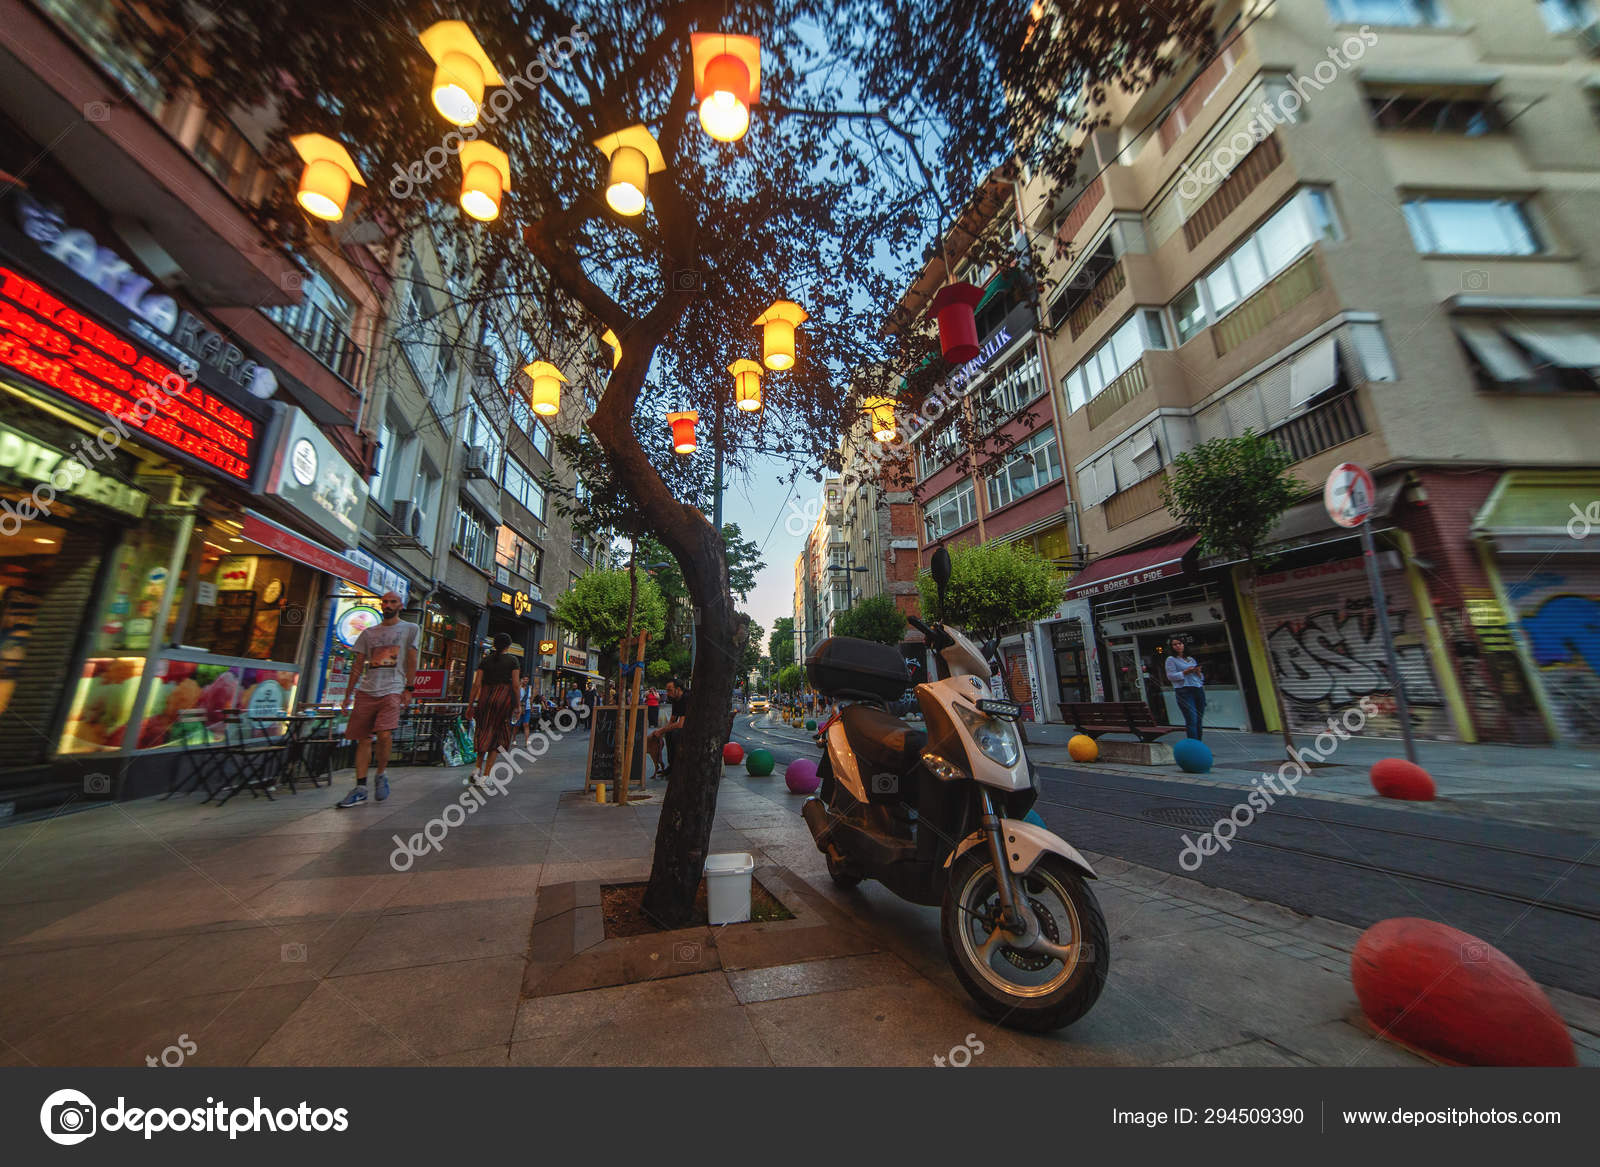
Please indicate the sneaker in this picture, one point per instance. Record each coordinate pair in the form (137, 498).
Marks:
(355, 798)
(383, 787)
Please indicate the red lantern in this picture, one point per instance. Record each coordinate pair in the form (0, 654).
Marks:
(958, 329)
(683, 431)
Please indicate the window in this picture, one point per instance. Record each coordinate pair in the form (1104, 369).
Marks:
(1013, 387)
(1029, 466)
(583, 546)
(1459, 226)
(937, 451)
(428, 479)
(478, 431)
(1409, 13)
(951, 509)
(1567, 15)
(524, 487)
(1305, 219)
(474, 538)
(1471, 118)
(1118, 353)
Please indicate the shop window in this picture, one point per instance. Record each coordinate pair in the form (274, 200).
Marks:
(248, 602)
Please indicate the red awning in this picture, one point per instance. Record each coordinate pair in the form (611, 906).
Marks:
(274, 537)
(1116, 572)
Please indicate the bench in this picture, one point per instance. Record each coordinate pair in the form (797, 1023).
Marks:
(1093, 718)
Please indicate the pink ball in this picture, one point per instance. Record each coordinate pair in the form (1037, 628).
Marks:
(1398, 778)
(732, 754)
(801, 776)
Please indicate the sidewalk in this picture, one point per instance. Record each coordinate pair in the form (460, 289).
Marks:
(280, 934)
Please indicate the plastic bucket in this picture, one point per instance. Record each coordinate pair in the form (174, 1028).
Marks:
(728, 886)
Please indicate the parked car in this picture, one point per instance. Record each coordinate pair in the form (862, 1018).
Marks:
(758, 705)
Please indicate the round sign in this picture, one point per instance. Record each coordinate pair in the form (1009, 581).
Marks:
(354, 621)
(1350, 494)
(303, 461)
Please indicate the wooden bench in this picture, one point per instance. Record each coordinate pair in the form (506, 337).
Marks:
(1094, 718)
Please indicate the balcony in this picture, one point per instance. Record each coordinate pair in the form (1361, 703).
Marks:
(1329, 425)
(323, 337)
(1141, 499)
(1117, 394)
(1105, 289)
(1291, 286)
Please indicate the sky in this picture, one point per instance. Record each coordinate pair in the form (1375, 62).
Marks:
(764, 513)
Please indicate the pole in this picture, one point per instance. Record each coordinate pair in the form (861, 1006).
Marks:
(1375, 580)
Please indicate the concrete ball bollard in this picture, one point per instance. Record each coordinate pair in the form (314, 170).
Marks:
(759, 763)
(1193, 755)
(800, 776)
(732, 754)
(1083, 748)
(1398, 778)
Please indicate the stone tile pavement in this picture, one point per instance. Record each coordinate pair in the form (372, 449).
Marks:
(281, 934)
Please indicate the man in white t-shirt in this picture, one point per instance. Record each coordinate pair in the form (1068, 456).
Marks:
(382, 679)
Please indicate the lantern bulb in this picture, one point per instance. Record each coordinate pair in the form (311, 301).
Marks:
(750, 405)
(480, 191)
(625, 199)
(630, 174)
(458, 88)
(724, 116)
(546, 408)
(324, 188)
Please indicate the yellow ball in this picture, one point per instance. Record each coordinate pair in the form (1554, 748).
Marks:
(1083, 748)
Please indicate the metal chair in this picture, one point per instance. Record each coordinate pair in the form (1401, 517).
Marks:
(207, 758)
(254, 759)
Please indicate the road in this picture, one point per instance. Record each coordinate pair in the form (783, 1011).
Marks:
(1532, 892)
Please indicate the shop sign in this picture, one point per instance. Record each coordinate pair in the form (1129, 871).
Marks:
(355, 620)
(286, 543)
(84, 255)
(547, 648)
(380, 576)
(1195, 615)
(68, 474)
(68, 353)
(519, 602)
(429, 684)
(574, 658)
(312, 476)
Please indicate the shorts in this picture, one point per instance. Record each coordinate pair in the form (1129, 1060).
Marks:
(370, 715)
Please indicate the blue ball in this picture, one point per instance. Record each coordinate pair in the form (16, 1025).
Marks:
(1194, 756)
(1033, 817)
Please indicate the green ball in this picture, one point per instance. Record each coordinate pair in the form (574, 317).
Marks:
(759, 763)
(810, 724)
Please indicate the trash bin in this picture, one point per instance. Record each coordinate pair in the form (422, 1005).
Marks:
(728, 886)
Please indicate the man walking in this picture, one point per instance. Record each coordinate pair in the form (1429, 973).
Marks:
(382, 679)
(1188, 686)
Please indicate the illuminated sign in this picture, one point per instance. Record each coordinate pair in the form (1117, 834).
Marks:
(574, 658)
(547, 648)
(34, 461)
(65, 351)
(519, 602)
(355, 620)
(313, 477)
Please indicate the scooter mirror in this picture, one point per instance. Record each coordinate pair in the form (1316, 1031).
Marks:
(942, 570)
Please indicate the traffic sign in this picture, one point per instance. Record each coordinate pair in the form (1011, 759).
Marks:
(1350, 494)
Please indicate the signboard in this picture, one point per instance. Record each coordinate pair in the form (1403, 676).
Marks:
(429, 684)
(68, 474)
(380, 576)
(574, 658)
(302, 550)
(353, 621)
(72, 356)
(1349, 494)
(603, 741)
(312, 476)
(519, 602)
(547, 648)
(1192, 616)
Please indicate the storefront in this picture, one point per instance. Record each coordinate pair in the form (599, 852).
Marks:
(521, 617)
(450, 637)
(1539, 533)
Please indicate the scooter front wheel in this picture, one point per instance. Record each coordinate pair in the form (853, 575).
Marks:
(1038, 988)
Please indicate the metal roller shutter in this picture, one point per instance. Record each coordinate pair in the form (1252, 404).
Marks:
(1558, 610)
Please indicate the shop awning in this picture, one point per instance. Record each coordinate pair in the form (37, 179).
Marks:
(263, 531)
(1116, 572)
(1543, 513)
(1510, 350)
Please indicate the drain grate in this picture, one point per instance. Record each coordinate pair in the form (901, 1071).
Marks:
(1181, 816)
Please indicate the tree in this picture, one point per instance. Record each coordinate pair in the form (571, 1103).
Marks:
(791, 679)
(658, 672)
(596, 608)
(993, 587)
(750, 650)
(1231, 492)
(876, 618)
(823, 201)
(780, 645)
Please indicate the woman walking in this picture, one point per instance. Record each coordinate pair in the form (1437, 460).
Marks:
(1188, 686)
(496, 690)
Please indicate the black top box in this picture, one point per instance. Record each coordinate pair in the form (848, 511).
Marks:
(842, 666)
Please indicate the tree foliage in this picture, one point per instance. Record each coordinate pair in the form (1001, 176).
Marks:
(1231, 492)
(994, 586)
(780, 645)
(876, 618)
(791, 678)
(596, 608)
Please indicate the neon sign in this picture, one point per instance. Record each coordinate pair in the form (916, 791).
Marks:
(66, 351)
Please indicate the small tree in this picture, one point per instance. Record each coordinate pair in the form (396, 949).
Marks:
(791, 679)
(876, 618)
(780, 645)
(1231, 492)
(596, 608)
(993, 587)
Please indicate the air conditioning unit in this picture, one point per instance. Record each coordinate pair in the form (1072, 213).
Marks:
(477, 463)
(407, 519)
(483, 364)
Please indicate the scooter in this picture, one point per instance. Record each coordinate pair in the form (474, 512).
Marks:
(936, 816)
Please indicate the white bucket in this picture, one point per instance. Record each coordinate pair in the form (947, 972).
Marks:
(728, 886)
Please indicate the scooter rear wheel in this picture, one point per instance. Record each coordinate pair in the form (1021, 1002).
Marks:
(1024, 989)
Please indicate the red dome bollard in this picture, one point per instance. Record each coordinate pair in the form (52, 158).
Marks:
(732, 754)
(1455, 997)
(1398, 778)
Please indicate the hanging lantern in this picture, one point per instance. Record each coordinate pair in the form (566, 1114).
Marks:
(547, 381)
(634, 156)
(746, 385)
(325, 182)
(485, 177)
(462, 69)
(958, 328)
(727, 81)
(616, 346)
(683, 431)
(777, 333)
(881, 410)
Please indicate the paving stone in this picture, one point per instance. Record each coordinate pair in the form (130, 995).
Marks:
(817, 976)
(1252, 1053)
(460, 932)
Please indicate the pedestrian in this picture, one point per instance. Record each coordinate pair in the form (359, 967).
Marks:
(496, 693)
(382, 679)
(524, 717)
(652, 706)
(665, 740)
(1188, 686)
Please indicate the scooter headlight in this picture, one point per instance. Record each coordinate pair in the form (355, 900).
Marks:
(997, 740)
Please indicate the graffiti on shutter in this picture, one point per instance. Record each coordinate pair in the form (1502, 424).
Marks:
(1559, 611)
(1326, 650)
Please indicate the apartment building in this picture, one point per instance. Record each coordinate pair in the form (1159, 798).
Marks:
(1366, 228)
(879, 519)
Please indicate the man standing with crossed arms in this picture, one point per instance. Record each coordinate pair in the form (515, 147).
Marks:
(382, 679)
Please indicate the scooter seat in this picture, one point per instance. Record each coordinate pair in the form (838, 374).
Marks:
(881, 742)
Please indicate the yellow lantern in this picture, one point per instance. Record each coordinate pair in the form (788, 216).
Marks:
(547, 381)
(683, 431)
(883, 423)
(746, 385)
(616, 346)
(727, 81)
(485, 177)
(325, 182)
(462, 69)
(634, 156)
(777, 336)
